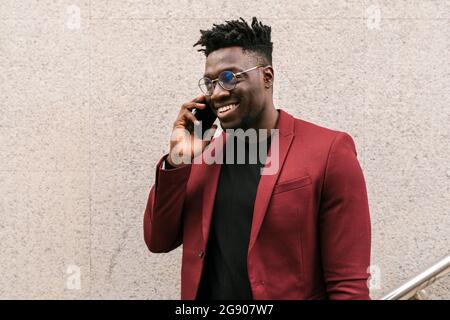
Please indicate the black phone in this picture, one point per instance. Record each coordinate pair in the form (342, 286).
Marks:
(206, 116)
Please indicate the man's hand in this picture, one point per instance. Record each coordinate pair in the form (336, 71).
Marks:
(184, 144)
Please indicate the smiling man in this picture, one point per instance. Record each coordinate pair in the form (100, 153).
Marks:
(251, 103)
(302, 232)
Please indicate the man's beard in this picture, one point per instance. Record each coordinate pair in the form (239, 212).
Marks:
(245, 123)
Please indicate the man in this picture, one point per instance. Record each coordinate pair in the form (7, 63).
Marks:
(302, 232)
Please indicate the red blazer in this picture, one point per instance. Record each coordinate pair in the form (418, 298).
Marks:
(310, 236)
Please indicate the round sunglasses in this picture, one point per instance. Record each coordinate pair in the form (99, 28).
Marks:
(227, 80)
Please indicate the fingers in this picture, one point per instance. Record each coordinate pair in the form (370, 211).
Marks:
(191, 118)
(186, 120)
(199, 98)
(186, 117)
(197, 102)
(191, 105)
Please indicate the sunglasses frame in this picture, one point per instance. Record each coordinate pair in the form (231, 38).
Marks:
(235, 76)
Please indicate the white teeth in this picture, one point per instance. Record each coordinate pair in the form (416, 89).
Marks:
(226, 108)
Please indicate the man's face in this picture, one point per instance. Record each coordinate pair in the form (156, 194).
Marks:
(249, 94)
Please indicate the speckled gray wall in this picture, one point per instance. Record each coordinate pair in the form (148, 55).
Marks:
(89, 91)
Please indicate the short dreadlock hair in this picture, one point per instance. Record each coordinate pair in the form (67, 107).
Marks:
(238, 33)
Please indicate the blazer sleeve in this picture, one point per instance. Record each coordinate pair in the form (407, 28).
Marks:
(345, 231)
(163, 230)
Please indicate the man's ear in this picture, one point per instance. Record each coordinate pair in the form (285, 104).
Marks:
(269, 76)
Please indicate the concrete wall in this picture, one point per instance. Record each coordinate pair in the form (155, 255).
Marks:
(89, 91)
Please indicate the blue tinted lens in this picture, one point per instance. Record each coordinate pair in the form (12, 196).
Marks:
(227, 78)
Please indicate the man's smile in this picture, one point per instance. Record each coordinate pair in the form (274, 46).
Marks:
(226, 111)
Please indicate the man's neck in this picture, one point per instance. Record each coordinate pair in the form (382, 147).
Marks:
(267, 124)
(269, 119)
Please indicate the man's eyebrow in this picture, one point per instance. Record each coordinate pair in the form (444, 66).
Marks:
(233, 68)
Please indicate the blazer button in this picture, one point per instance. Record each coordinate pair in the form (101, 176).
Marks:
(201, 254)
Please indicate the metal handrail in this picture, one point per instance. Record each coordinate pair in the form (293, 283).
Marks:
(413, 288)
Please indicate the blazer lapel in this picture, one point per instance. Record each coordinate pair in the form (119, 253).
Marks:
(267, 182)
(268, 177)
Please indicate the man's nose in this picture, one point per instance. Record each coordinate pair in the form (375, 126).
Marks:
(219, 93)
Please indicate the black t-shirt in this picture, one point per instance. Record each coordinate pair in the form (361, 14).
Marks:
(225, 273)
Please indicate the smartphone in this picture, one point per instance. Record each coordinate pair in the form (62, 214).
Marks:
(206, 116)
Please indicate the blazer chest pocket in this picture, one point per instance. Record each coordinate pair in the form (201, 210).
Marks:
(292, 184)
